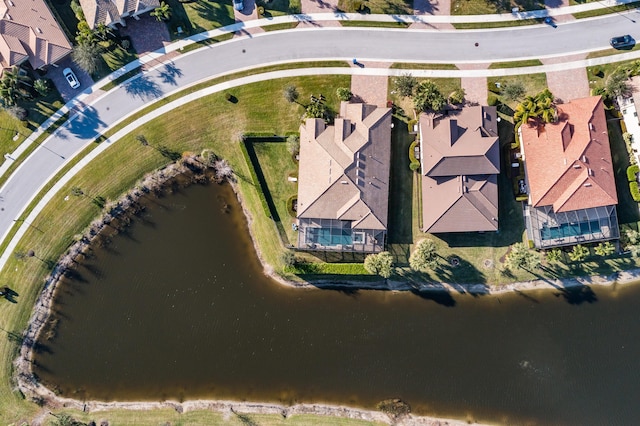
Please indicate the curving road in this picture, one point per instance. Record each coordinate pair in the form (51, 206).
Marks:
(306, 44)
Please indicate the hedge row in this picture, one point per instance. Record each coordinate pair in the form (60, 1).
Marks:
(415, 163)
(635, 193)
(632, 171)
(254, 178)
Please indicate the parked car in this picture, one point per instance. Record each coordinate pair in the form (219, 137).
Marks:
(622, 42)
(71, 78)
(238, 5)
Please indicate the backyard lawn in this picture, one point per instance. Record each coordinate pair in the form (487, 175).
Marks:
(388, 7)
(533, 84)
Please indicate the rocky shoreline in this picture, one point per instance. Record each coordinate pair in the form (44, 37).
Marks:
(195, 170)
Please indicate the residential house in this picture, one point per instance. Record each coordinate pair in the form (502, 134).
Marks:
(29, 32)
(343, 182)
(112, 12)
(569, 176)
(460, 163)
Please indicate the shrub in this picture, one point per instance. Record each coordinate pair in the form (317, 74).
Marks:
(457, 96)
(632, 171)
(635, 193)
(597, 71)
(414, 162)
(379, 264)
(599, 91)
(513, 91)
(288, 259)
(290, 202)
(344, 94)
(260, 11)
(394, 407)
(410, 125)
(414, 166)
(424, 256)
(18, 112)
(493, 87)
(228, 96)
(492, 100)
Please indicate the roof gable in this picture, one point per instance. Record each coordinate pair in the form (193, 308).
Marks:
(561, 158)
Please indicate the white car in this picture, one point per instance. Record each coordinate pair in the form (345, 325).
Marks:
(71, 78)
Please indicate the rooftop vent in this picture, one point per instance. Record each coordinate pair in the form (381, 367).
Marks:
(576, 166)
(38, 30)
(11, 3)
(590, 126)
(588, 184)
(344, 182)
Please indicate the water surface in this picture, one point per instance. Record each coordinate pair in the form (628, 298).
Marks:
(178, 308)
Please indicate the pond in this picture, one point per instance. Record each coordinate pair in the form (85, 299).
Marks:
(177, 307)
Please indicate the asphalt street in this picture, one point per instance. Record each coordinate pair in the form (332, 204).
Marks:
(364, 44)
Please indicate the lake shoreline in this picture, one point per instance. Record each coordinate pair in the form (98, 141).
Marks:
(29, 385)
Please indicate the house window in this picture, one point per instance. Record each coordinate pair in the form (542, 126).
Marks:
(358, 237)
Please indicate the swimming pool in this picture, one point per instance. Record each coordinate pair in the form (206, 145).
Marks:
(569, 230)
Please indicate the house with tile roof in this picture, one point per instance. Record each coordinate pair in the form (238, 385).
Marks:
(112, 12)
(343, 180)
(569, 176)
(460, 163)
(29, 32)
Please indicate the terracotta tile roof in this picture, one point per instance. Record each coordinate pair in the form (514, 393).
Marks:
(460, 160)
(344, 168)
(29, 30)
(111, 12)
(568, 163)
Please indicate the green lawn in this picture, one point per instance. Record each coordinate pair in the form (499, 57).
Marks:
(421, 66)
(533, 83)
(405, 105)
(198, 16)
(386, 7)
(499, 24)
(486, 7)
(606, 10)
(67, 20)
(280, 7)
(374, 24)
(515, 64)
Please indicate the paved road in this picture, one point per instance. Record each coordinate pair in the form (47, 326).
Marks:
(308, 44)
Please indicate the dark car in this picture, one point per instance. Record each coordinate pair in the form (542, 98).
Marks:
(622, 42)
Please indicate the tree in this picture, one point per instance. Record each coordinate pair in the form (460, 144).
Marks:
(428, 97)
(405, 85)
(291, 94)
(12, 86)
(540, 107)
(457, 96)
(554, 255)
(618, 84)
(316, 110)
(288, 259)
(578, 253)
(41, 86)
(605, 249)
(513, 91)
(87, 56)
(222, 169)
(520, 257)
(344, 94)
(17, 112)
(424, 257)
(293, 144)
(379, 264)
(162, 13)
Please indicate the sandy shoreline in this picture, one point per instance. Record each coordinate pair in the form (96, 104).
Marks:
(29, 385)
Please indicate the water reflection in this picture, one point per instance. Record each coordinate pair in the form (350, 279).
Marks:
(179, 308)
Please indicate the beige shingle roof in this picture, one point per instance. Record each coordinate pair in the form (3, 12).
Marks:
(568, 163)
(460, 161)
(28, 29)
(109, 12)
(344, 168)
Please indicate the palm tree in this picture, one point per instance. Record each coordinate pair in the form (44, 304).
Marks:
(540, 106)
(162, 13)
(41, 86)
(12, 86)
(87, 56)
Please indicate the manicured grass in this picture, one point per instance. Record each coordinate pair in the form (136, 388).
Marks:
(189, 128)
(65, 17)
(405, 105)
(533, 84)
(421, 66)
(499, 24)
(482, 7)
(207, 418)
(607, 10)
(611, 52)
(113, 60)
(39, 110)
(386, 7)
(280, 7)
(198, 16)
(515, 64)
(599, 79)
(374, 24)
(278, 27)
